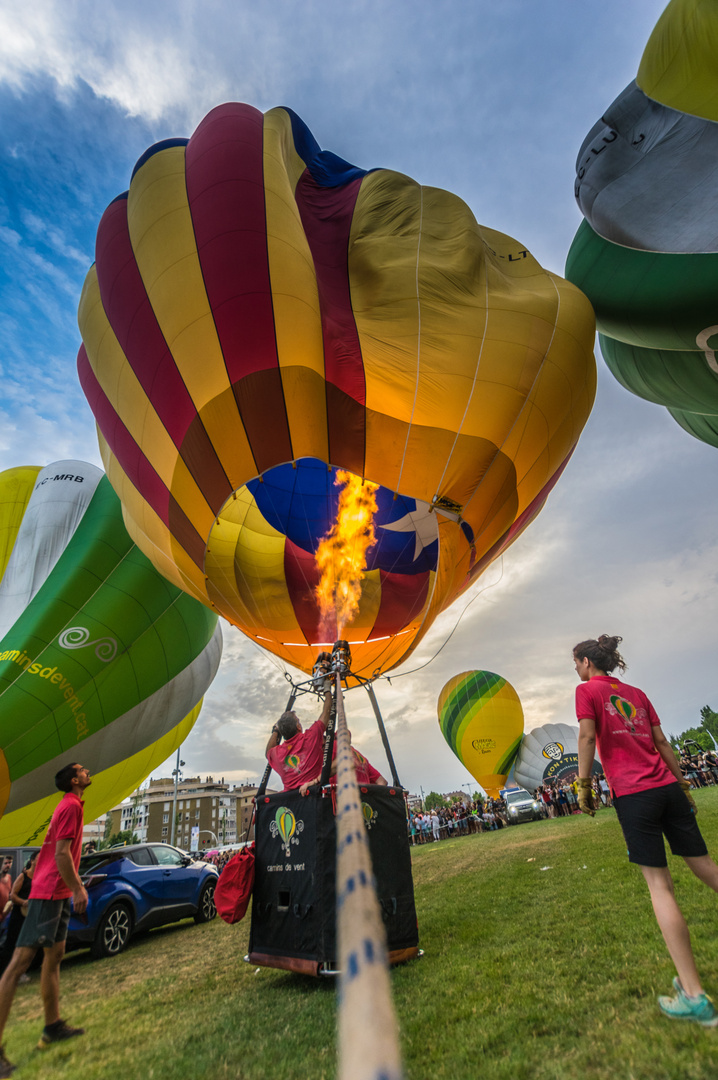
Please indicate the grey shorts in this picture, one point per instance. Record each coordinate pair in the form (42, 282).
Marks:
(45, 924)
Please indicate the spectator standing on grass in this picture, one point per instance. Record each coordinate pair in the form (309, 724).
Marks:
(651, 800)
(5, 881)
(55, 882)
(19, 895)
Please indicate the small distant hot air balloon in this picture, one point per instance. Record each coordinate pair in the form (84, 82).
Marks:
(481, 718)
(549, 752)
(101, 660)
(263, 316)
(646, 254)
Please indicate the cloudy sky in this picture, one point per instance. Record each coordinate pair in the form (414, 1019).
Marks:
(488, 100)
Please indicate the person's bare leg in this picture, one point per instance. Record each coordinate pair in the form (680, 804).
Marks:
(673, 927)
(19, 963)
(704, 868)
(50, 982)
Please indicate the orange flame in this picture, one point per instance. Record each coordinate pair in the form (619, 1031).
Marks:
(341, 555)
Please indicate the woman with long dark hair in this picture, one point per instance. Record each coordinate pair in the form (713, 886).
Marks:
(652, 800)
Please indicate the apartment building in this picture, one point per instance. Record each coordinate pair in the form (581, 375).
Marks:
(209, 813)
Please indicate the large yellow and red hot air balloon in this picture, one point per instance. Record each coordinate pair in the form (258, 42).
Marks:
(261, 315)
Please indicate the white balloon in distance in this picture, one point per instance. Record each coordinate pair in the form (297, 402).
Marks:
(549, 752)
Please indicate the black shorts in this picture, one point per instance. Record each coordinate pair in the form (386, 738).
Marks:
(45, 924)
(647, 816)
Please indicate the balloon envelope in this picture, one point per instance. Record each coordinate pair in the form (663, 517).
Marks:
(548, 753)
(262, 313)
(102, 661)
(646, 254)
(481, 718)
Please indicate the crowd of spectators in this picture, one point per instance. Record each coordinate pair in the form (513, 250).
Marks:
(218, 858)
(458, 820)
(559, 798)
(555, 798)
(700, 770)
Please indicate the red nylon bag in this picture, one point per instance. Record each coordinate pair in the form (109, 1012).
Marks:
(235, 886)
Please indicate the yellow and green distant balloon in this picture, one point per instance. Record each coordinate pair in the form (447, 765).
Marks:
(481, 718)
(646, 254)
(102, 661)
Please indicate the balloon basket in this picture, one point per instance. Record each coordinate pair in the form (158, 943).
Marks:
(293, 903)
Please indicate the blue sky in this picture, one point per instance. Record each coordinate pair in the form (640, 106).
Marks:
(491, 101)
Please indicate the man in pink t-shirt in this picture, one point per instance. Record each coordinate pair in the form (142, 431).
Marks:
(55, 884)
(299, 757)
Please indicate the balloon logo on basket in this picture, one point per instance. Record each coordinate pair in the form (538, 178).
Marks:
(553, 750)
(370, 816)
(625, 709)
(286, 826)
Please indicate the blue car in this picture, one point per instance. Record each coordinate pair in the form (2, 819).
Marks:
(136, 887)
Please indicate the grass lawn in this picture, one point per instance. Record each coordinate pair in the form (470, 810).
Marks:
(543, 961)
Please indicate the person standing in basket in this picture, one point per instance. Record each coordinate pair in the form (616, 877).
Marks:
(55, 883)
(299, 759)
(651, 800)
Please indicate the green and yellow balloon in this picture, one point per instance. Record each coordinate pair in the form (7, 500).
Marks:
(481, 718)
(102, 661)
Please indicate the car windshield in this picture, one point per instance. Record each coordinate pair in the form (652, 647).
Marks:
(517, 797)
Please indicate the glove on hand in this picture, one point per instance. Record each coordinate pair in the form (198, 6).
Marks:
(585, 796)
(687, 792)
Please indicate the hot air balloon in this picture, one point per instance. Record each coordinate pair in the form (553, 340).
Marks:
(481, 718)
(646, 254)
(549, 752)
(101, 659)
(264, 319)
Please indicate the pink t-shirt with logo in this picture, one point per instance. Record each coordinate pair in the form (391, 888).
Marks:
(624, 720)
(66, 824)
(299, 758)
(366, 773)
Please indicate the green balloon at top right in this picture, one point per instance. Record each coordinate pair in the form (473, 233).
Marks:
(646, 253)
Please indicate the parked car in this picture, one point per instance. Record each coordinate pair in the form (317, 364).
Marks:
(136, 887)
(520, 806)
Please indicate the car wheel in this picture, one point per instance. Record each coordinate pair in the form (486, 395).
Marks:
(206, 910)
(113, 933)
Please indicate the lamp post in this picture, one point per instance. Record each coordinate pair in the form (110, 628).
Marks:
(176, 773)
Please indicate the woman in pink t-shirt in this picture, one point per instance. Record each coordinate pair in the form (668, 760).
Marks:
(652, 800)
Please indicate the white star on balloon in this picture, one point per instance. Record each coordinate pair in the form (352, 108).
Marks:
(422, 522)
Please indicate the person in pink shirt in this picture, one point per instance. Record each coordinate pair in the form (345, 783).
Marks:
(55, 884)
(299, 757)
(365, 771)
(652, 800)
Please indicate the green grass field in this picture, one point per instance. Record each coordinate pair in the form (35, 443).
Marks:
(542, 961)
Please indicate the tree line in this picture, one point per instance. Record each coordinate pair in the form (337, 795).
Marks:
(702, 734)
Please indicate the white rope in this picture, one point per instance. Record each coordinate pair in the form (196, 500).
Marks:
(368, 1029)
